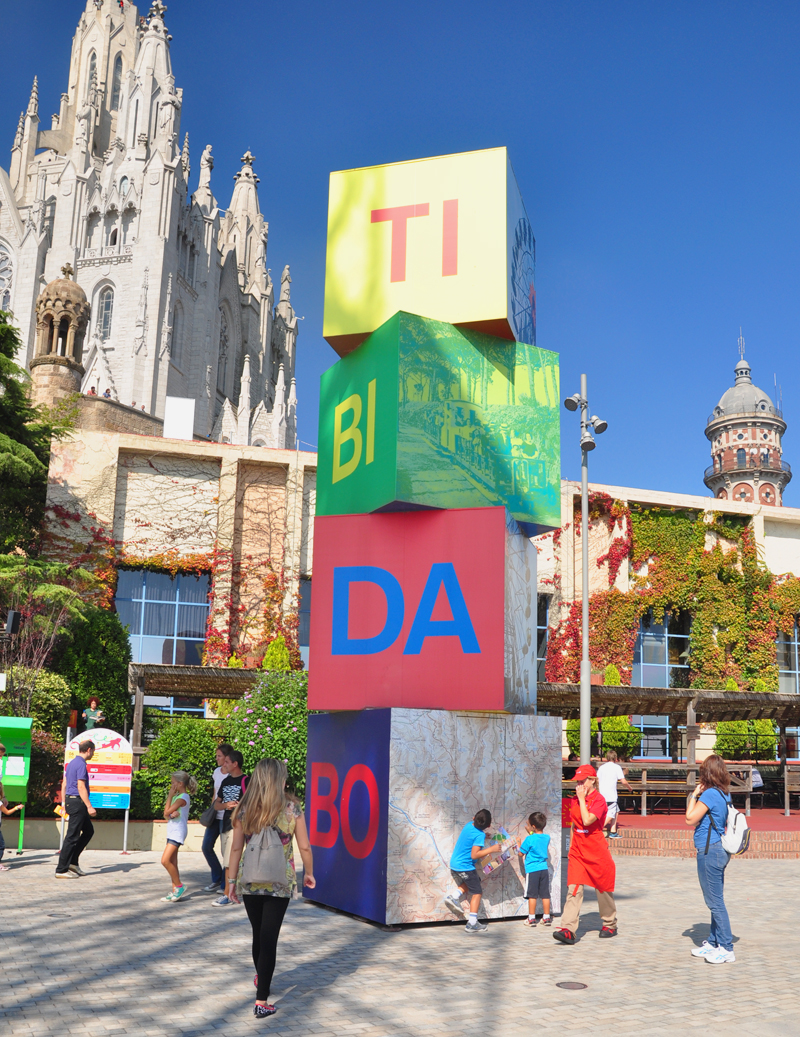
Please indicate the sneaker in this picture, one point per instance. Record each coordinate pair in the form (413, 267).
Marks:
(564, 936)
(703, 950)
(178, 893)
(77, 869)
(606, 933)
(66, 875)
(613, 835)
(262, 1011)
(222, 901)
(455, 906)
(719, 956)
(475, 927)
(212, 887)
(168, 898)
(530, 921)
(547, 920)
(4, 867)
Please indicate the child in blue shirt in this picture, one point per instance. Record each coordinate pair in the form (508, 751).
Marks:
(470, 848)
(534, 851)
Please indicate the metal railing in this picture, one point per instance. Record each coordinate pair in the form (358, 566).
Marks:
(751, 464)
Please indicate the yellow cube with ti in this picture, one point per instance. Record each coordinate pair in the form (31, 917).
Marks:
(447, 238)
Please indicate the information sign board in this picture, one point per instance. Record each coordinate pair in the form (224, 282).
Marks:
(110, 769)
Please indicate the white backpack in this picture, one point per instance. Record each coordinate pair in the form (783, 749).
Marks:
(736, 837)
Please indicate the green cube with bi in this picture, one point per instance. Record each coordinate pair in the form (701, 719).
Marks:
(426, 415)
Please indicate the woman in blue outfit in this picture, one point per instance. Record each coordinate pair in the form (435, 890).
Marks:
(707, 809)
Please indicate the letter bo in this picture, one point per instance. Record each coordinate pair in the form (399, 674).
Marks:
(427, 414)
(424, 609)
(448, 237)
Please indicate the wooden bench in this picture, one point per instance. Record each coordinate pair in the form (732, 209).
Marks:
(791, 784)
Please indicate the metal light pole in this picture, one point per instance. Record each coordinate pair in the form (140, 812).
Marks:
(587, 443)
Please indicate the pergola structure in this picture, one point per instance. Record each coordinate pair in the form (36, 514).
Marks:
(692, 703)
(205, 682)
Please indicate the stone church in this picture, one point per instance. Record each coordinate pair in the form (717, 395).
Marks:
(171, 293)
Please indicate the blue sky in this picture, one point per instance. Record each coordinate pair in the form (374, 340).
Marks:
(656, 146)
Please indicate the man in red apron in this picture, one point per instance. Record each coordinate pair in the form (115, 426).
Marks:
(590, 863)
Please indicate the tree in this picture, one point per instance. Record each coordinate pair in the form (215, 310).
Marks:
(50, 703)
(277, 655)
(25, 433)
(50, 597)
(93, 657)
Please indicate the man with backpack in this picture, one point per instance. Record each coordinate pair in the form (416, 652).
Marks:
(231, 790)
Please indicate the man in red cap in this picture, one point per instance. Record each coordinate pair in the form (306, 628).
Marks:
(590, 863)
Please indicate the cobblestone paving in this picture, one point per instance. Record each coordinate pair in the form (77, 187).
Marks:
(103, 955)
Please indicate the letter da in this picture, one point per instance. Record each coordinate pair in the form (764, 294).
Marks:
(341, 642)
(460, 626)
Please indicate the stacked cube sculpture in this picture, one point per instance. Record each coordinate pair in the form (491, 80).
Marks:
(438, 459)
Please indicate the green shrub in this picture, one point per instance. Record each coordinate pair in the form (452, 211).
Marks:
(746, 740)
(47, 768)
(276, 657)
(759, 685)
(620, 735)
(186, 744)
(50, 703)
(272, 720)
(574, 736)
(612, 677)
(731, 685)
(94, 661)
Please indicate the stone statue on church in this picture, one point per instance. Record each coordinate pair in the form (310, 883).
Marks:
(206, 165)
(286, 281)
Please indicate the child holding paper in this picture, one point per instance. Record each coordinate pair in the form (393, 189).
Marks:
(534, 851)
(470, 848)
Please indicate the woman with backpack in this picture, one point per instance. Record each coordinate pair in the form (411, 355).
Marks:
(707, 810)
(264, 821)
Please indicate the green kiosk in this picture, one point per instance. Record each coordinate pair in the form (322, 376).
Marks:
(15, 766)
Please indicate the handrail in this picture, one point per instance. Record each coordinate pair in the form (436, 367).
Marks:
(752, 464)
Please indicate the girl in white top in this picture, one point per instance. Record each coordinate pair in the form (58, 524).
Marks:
(176, 814)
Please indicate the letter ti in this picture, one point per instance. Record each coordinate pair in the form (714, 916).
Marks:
(399, 216)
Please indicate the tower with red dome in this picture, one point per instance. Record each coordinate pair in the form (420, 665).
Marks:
(745, 432)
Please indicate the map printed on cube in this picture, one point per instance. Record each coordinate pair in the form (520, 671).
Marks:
(447, 237)
(404, 617)
(389, 790)
(424, 414)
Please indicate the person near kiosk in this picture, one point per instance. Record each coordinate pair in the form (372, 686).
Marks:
(214, 830)
(75, 797)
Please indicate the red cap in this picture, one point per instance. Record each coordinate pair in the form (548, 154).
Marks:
(586, 770)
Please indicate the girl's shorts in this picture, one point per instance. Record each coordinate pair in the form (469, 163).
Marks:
(173, 842)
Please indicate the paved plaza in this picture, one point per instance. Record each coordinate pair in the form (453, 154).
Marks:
(103, 955)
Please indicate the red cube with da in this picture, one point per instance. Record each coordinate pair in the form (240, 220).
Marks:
(423, 609)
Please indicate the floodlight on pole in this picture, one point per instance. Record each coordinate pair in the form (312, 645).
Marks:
(588, 426)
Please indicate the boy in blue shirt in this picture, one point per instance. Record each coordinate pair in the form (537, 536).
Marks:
(469, 849)
(534, 851)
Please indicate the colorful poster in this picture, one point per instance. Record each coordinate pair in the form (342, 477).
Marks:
(110, 768)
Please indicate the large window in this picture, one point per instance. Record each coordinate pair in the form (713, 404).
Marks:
(165, 616)
(788, 671)
(305, 620)
(542, 620)
(116, 83)
(105, 309)
(660, 660)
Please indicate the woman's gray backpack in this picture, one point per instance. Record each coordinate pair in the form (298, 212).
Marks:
(264, 858)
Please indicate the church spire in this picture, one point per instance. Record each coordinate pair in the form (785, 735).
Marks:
(20, 130)
(185, 156)
(33, 103)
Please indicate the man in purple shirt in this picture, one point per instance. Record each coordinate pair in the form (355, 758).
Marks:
(75, 797)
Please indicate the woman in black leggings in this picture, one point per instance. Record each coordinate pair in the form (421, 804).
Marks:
(266, 804)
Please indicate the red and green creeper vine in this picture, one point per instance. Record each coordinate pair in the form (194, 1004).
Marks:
(231, 627)
(704, 564)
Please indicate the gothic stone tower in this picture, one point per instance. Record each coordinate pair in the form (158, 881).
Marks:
(181, 300)
(745, 432)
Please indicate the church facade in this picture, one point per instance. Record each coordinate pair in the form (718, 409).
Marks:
(181, 302)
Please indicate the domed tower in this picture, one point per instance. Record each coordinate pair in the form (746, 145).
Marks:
(62, 313)
(745, 432)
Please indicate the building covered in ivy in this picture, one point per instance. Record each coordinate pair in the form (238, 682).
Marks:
(684, 592)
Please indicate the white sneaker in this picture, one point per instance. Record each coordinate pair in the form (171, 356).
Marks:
(455, 906)
(77, 869)
(703, 950)
(211, 888)
(66, 875)
(720, 956)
